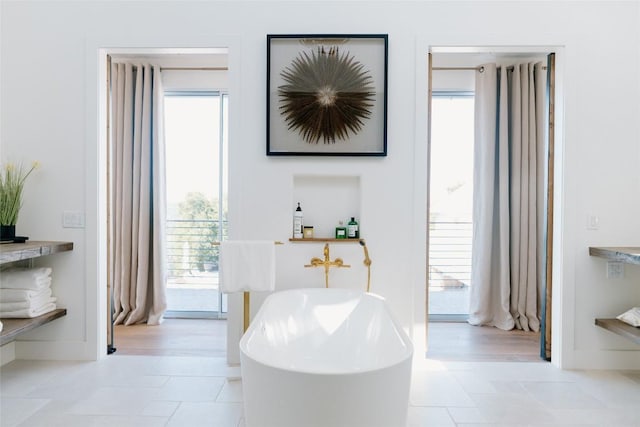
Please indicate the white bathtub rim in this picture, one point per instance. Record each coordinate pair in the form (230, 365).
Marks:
(328, 374)
(408, 354)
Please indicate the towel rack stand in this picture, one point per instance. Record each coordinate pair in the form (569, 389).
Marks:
(246, 299)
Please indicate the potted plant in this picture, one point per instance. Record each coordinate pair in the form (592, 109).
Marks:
(12, 179)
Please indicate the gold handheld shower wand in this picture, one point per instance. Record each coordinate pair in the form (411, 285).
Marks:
(367, 262)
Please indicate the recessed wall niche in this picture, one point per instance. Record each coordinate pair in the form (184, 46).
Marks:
(327, 199)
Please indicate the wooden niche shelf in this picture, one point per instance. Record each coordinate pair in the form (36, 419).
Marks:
(627, 255)
(324, 240)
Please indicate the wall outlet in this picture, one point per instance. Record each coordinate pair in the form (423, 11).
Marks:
(615, 270)
(73, 219)
(593, 222)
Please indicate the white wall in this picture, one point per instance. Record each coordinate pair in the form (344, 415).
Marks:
(50, 104)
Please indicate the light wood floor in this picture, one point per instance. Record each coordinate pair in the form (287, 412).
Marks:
(447, 341)
(464, 342)
(174, 337)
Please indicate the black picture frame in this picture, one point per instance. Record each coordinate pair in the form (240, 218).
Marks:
(327, 94)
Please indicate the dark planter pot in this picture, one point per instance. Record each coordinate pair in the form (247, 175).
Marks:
(7, 232)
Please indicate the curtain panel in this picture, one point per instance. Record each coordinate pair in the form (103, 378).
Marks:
(509, 197)
(138, 203)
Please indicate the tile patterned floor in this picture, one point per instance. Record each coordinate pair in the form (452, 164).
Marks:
(150, 391)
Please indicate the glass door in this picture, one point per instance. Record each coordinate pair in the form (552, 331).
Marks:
(196, 163)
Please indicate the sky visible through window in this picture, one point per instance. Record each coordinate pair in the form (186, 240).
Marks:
(192, 131)
(452, 156)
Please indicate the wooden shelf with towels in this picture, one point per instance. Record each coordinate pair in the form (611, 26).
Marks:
(620, 328)
(14, 252)
(627, 255)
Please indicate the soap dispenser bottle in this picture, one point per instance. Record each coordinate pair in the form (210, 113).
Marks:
(297, 223)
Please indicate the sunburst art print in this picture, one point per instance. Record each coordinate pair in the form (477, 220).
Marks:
(326, 95)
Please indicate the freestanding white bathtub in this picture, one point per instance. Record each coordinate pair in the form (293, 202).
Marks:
(325, 358)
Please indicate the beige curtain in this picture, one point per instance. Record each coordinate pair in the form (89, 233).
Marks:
(138, 195)
(509, 203)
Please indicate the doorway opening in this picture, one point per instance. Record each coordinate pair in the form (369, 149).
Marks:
(194, 121)
(452, 139)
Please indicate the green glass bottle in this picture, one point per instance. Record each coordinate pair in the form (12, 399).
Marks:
(352, 229)
(341, 231)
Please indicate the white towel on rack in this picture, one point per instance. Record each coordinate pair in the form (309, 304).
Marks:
(247, 266)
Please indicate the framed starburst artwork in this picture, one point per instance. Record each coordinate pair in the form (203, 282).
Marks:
(327, 95)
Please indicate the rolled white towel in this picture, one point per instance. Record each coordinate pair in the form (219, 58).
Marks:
(34, 303)
(0, 326)
(28, 312)
(26, 278)
(20, 295)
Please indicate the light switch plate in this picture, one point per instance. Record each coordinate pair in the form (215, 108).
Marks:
(73, 219)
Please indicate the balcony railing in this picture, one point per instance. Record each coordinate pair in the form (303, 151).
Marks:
(191, 252)
(450, 253)
(192, 256)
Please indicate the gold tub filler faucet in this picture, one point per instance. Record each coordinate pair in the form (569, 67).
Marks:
(338, 262)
